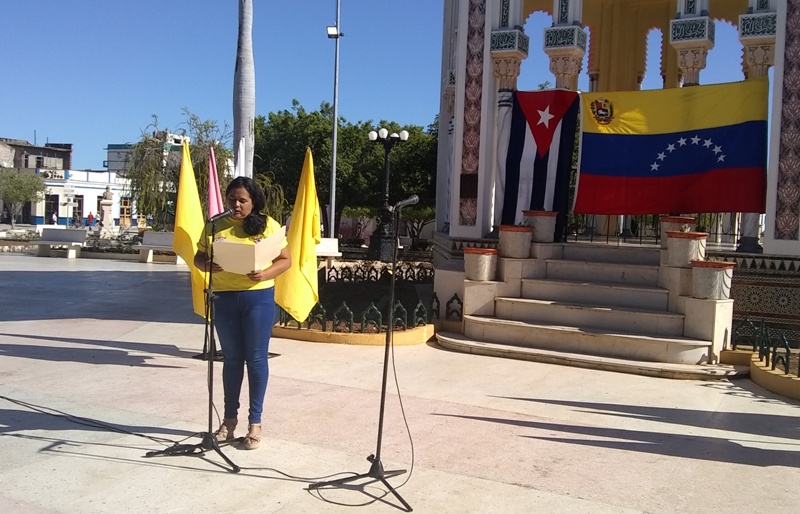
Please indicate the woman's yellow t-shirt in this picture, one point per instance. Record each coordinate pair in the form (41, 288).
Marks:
(229, 229)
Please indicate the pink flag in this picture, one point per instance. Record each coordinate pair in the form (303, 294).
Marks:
(215, 205)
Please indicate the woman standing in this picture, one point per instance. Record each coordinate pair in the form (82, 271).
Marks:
(244, 309)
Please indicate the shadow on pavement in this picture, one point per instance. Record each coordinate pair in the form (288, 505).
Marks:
(139, 347)
(108, 295)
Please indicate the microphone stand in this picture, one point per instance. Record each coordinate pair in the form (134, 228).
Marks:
(376, 471)
(209, 441)
(205, 354)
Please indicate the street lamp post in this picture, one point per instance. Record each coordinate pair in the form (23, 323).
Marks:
(334, 33)
(382, 241)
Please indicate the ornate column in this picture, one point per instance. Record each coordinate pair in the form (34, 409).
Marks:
(565, 43)
(449, 97)
(509, 47)
(757, 32)
(782, 234)
(473, 95)
(446, 175)
(692, 36)
(565, 46)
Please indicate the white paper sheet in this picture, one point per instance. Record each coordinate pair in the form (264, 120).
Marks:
(243, 258)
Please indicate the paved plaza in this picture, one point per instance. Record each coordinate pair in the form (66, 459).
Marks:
(96, 370)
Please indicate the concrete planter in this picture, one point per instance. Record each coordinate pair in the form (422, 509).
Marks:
(711, 280)
(685, 247)
(673, 224)
(543, 224)
(515, 241)
(480, 263)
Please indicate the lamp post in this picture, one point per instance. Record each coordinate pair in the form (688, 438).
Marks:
(382, 241)
(334, 33)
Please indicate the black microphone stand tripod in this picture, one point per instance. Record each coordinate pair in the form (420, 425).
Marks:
(376, 471)
(209, 441)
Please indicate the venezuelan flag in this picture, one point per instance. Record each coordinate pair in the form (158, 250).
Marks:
(692, 149)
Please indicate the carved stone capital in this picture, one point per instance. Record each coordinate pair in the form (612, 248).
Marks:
(566, 69)
(757, 34)
(691, 61)
(692, 37)
(506, 70)
(758, 59)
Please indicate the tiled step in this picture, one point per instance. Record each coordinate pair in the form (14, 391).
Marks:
(635, 274)
(623, 254)
(622, 319)
(460, 343)
(573, 338)
(616, 295)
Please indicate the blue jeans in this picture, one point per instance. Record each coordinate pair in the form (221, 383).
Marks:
(244, 322)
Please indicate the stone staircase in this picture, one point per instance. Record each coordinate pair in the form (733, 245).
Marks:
(588, 305)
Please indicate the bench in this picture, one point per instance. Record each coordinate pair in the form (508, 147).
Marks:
(72, 238)
(328, 249)
(152, 241)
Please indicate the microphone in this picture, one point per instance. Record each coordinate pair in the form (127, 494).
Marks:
(224, 214)
(411, 200)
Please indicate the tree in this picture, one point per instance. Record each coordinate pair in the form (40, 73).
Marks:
(244, 89)
(18, 188)
(282, 137)
(361, 215)
(154, 169)
(152, 175)
(415, 218)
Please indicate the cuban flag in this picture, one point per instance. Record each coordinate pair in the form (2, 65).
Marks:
(539, 158)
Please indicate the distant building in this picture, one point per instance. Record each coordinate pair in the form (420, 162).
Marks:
(73, 194)
(119, 156)
(70, 194)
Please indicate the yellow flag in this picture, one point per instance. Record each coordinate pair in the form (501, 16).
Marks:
(189, 224)
(296, 290)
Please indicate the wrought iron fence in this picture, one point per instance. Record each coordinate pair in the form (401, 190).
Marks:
(370, 271)
(774, 351)
(371, 319)
(723, 228)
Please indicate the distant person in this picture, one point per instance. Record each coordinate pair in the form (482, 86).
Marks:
(90, 219)
(244, 306)
(75, 222)
(54, 219)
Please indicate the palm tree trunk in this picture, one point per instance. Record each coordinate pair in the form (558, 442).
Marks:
(244, 89)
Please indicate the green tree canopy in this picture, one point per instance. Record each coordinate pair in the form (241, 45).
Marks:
(155, 164)
(282, 137)
(17, 188)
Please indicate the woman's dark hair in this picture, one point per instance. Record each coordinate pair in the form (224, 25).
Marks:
(256, 221)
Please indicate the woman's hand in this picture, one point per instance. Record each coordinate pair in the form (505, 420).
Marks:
(279, 265)
(259, 275)
(201, 262)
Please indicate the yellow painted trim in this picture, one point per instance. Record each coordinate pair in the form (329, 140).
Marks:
(416, 335)
(774, 381)
(736, 357)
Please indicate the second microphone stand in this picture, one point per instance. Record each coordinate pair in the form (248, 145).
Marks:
(376, 471)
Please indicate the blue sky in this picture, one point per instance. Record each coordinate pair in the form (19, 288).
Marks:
(93, 72)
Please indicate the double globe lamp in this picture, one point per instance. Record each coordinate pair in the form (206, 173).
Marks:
(382, 241)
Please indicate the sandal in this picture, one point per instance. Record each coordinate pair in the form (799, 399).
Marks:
(225, 430)
(253, 439)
